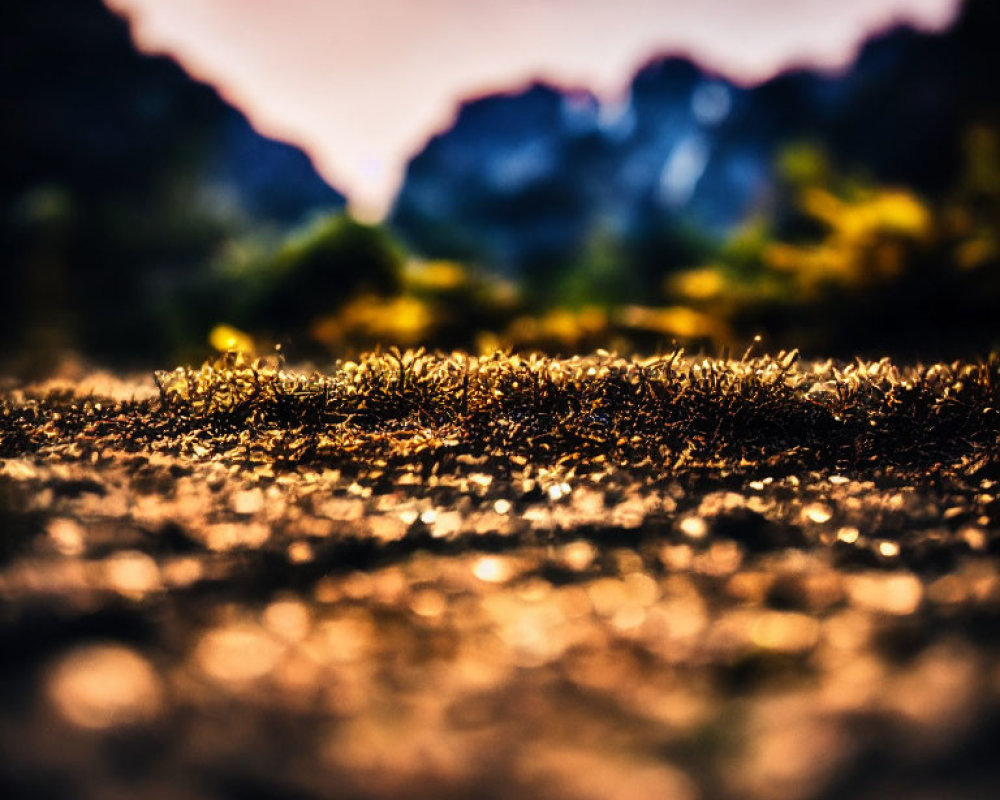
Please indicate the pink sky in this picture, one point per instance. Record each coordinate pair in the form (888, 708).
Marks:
(362, 84)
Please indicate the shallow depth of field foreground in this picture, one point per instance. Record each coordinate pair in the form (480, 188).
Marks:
(443, 576)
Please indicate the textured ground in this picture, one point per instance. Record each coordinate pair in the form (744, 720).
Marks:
(428, 577)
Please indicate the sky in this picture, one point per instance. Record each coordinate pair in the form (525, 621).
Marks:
(361, 85)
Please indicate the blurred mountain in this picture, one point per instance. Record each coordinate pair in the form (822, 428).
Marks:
(523, 180)
(138, 209)
(119, 177)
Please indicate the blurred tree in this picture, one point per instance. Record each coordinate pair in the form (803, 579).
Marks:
(113, 193)
(314, 272)
(847, 267)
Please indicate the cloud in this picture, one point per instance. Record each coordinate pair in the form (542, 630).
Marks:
(362, 84)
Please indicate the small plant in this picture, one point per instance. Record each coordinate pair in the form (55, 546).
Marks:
(662, 414)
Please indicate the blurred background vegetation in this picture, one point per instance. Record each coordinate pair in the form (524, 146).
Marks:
(143, 221)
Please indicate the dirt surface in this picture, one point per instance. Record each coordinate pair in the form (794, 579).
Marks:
(473, 578)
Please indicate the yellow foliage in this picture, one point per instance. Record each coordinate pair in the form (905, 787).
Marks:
(227, 339)
(402, 320)
(885, 211)
(678, 321)
(436, 276)
(810, 263)
(560, 325)
(824, 205)
(865, 243)
(705, 283)
(901, 212)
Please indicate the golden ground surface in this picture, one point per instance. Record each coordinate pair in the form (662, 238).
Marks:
(428, 576)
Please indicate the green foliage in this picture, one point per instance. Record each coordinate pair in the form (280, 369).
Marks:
(320, 267)
(601, 275)
(803, 164)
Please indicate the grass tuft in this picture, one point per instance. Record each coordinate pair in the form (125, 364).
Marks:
(664, 413)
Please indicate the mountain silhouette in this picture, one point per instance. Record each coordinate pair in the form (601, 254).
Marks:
(524, 178)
